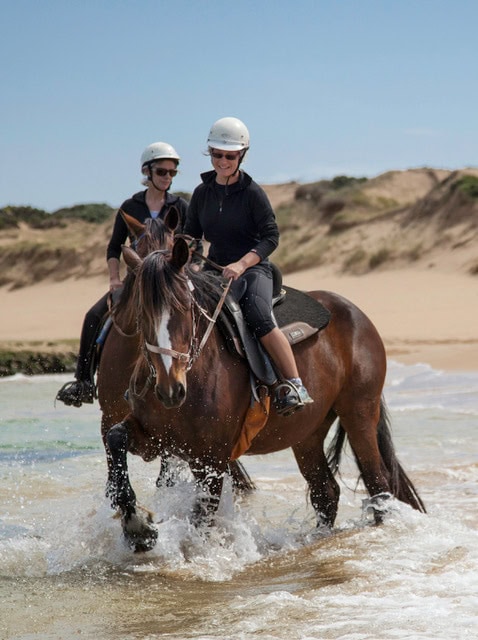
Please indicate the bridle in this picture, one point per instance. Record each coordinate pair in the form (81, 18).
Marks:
(195, 348)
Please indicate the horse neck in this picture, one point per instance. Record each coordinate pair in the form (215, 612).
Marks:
(215, 358)
(124, 314)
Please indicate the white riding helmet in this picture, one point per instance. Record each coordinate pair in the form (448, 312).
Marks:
(159, 151)
(228, 134)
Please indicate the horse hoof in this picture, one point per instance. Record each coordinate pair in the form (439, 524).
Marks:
(140, 533)
(143, 541)
(377, 507)
(145, 545)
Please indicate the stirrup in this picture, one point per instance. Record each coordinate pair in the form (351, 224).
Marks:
(287, 399)
(77, 392)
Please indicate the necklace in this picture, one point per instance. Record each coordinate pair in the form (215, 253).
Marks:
(220, 192)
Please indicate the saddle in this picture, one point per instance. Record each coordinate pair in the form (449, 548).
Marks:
(296, 314)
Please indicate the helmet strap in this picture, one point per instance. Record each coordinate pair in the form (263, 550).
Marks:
(241, 158)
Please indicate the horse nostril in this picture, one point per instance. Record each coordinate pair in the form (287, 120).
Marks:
(181, 393)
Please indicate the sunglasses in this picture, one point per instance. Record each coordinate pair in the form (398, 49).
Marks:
(229, 156)
(164, 172)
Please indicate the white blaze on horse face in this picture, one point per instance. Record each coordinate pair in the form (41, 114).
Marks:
(164, 340)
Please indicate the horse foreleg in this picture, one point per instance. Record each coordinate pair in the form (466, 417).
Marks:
(137, 524)
(241, 480)
(324, 490)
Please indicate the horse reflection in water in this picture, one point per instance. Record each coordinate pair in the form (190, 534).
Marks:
(122, 346)
(192, 401)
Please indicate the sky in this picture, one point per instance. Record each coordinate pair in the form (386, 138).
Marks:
(325, 87)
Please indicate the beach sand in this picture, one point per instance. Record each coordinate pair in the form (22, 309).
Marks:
(423, 316)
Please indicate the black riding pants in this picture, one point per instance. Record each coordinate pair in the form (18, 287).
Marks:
(253, 292)
(89, 332)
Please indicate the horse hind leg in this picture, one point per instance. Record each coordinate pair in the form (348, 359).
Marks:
(137, 523)
(370, 438)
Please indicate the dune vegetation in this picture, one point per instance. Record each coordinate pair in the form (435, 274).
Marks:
(424, 217)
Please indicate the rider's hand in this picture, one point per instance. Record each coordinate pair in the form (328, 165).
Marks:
(233, 270)
(115, 283)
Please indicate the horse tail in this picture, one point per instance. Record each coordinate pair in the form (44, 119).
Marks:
(335, 448)
(241, 480)
(400, 484)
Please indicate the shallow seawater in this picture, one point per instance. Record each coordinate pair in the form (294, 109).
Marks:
(264, 571)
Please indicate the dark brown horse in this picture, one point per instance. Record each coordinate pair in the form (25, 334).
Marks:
(122, 346)
(190, 398)
(122, 343)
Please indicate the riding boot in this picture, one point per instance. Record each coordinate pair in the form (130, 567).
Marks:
(82, 389)
(291, 396)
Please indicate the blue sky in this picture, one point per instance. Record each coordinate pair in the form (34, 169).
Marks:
(326, 87)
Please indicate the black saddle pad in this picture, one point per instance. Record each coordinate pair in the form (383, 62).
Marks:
(299, 306)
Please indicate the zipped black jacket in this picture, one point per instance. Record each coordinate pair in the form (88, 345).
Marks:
(137, 208)
(234, 219)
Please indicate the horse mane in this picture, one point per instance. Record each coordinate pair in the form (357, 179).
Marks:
(156, 235)
(160, 286)
(208, 287)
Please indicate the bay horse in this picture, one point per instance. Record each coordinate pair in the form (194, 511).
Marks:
(122, 346)
(191, 399)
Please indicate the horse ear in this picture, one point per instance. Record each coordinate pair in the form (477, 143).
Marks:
(171, 218)
(180, 255)
(131, 258)
(135, 227)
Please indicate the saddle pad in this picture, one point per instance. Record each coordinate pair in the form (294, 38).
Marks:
(298, 306)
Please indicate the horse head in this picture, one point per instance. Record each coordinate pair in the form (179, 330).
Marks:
(154, 233)
(165, 314)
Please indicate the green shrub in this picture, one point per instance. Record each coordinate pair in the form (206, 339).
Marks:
(355, 261)
(469, 186)
(310, 192)
(95, 212)
(10, 217)
(183, 194)
(339, 182)
(379, 258)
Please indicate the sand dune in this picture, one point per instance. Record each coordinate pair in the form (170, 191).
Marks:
(422, 315)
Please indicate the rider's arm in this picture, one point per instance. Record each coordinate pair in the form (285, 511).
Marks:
(114, 271)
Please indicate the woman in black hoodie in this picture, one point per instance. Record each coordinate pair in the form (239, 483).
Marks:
(233, 213)
(159, 165)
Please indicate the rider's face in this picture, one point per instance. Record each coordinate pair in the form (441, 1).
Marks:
(166, 167)
(225, 163)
